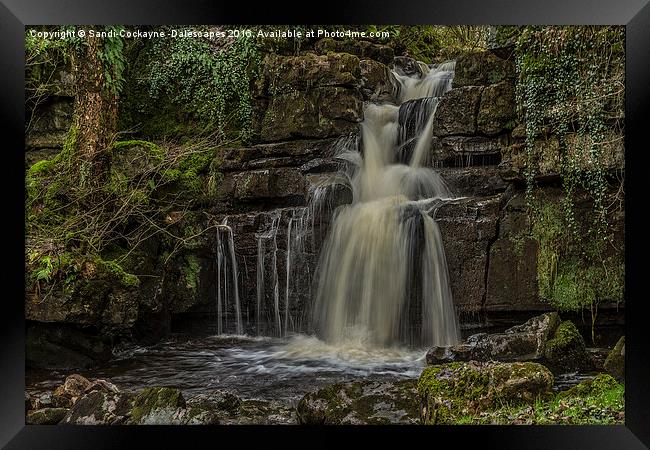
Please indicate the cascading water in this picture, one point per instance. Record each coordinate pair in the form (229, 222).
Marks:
(227, 280)
(382, 274)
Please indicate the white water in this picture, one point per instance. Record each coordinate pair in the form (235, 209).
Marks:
(382, 277)
(227, 278)
(383, 263)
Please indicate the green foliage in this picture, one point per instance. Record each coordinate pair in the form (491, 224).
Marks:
(209, 81)
(115, 269)
(571, 86)
(111, 54)
(600, 401)
(433, 43)
(191, 270)
(571, 82)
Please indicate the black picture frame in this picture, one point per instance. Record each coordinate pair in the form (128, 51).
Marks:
(16, 14)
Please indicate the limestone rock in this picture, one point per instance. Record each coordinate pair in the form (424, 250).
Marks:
(360, 48)
(157, 406)
(450, 391)
(270, 183)
(100, 408)
(456, 112)
(497, 109)
(482, 69)
(525, 342)
(46, 416)
(566, 352)
(377, 81)
(361, 403)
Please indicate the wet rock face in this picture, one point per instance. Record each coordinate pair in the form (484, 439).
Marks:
(450, 391)
(361, 403)
(468, 226)
(522, 342)
(63, 346)
(456, 113)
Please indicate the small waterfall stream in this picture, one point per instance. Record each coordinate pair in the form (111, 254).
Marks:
(227, 280)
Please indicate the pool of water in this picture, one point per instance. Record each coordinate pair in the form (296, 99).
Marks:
(253, 368)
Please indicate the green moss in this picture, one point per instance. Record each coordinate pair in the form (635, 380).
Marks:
(191, 270)
(154, 149)
(152, 398)
(615, 362)
(116, 270)
(566, 335)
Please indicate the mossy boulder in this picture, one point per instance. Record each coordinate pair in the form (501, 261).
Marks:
(482, 69)
(224, 401)
(566, 351)
(100, 408)
(456, 112)
(377, 81)
(615, 362)
(497, 109)
(361, 403)
(46, 416)
(157, 406)
(451, 391)
(595, 386)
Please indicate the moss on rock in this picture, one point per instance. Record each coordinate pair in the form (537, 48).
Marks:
(566, 350)
(150, 400)
(451, 391)
(615, 362)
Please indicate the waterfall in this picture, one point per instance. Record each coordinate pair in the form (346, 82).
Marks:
(382, 273)
(227, 278)
(268, 239)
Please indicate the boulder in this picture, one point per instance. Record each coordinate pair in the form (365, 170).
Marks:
(525, 342)
(482, 69)
(451, 391)
(405, 65)
(361, 403)
(497, 109)
(565, 351)
(45, 416)
(100, 408)
(158, 406)
(224, 401)
(261, 412)
(456, 112)
(615, 362)
(377, 81)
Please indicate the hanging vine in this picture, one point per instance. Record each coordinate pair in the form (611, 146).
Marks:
(570, 91)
